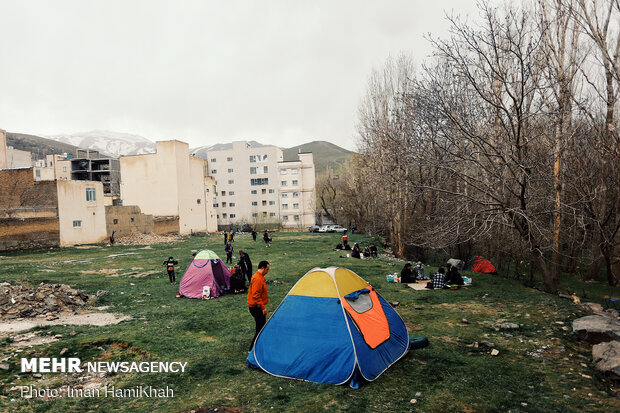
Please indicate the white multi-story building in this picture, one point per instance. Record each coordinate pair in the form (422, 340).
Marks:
(254, 185)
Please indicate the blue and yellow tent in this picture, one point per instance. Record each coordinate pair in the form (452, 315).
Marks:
(332, 327)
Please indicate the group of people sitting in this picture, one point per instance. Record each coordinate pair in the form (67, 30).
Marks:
(411, 274)
(441, 279)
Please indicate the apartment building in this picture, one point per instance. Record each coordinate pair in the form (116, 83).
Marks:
(53, 167)
(170, 183)
(251, 182)
(296, 191)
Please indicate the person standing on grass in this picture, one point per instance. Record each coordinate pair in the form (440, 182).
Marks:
(245, 264)
(254, 235)
(231, 237)
(229, 252)
(170, 263)
(258, 298)
(266, 239)
(225, 237)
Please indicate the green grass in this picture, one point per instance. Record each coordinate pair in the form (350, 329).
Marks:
(213, 336)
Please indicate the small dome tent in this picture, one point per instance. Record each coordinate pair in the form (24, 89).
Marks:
(205, 270)
(332, 327)
(480, 264)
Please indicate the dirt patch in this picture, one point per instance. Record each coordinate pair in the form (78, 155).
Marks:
(91, 319)
(31, 339)
(146, 239)
(105, 271)
(412, 327)
(220, 409)
(114, 348)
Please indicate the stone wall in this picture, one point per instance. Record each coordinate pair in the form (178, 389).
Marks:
(166, 225)
(127, 219)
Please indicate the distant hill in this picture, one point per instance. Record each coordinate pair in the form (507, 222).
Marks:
(326, 155)
(38, 146)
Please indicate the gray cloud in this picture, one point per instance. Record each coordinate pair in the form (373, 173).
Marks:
(281, 72)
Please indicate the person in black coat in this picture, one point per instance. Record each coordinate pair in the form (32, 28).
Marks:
(453, 277)
(406, 275)
(254, 235)
(245, 264)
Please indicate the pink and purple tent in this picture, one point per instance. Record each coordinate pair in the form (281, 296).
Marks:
(206, 270)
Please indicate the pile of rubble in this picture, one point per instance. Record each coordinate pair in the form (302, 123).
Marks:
(44, 300)
(145, 239)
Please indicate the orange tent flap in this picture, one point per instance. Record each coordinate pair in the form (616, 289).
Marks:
(372, 323)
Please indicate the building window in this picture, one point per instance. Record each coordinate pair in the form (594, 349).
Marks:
(283, 183)
(263, 191)
(264, 213)
(198, 201)
(213, 171)
(115, 221)
(253, 191)
(230, 170)
(294, 171)
(295, 194)
(258, 170)
(229, 159)
(231, 193)
(272, 202)
(252, 170)
(37, 173)
(283, 172)
(213, 160)
(296, 206)
(259, 181)
(296, 217)
(231, 182)
(77, 224)
(258, 158)
(64, 169)
(131, 219)
(295, 182)
(284, 194)
(254, 203)
(224, 215)
(90, 194)
(223, 193)
(285, 218)
(223, 204)
(232, 215)
(254, 214)
(284, 206)
(231, 204)
(272, 214)
(271, 191)
(216, 205)
(264, 202)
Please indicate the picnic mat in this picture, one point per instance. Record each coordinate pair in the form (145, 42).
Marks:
(418, 286)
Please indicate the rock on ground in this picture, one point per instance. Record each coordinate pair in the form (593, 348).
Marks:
(597, 328)
(42, 301)
(606, 356)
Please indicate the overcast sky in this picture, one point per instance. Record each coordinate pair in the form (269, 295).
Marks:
(205, 72)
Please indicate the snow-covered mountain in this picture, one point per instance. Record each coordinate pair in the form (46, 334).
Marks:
(109, 143)
(201, 151)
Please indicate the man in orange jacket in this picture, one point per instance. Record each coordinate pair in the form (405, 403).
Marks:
(258, 298)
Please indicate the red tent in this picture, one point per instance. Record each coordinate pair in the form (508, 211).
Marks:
(483, 265)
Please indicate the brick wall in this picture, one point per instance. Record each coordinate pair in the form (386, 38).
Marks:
(28, 211)
(29, 233)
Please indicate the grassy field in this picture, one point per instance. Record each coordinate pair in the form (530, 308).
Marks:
(540, 366)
